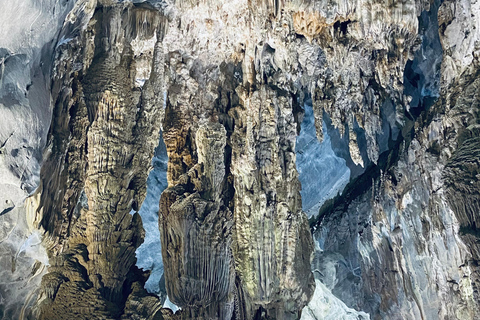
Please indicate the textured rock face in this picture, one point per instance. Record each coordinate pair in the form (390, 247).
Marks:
(272, 241)
(28, 33)
(408, 228)
(104, 131)
(269, 249)
(196, 233)
(393, 89)
(402, 241)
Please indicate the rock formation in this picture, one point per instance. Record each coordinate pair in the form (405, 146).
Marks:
(232, 87)
(103, 134)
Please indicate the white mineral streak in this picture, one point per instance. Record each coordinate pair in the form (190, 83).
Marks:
(325, 306)
(170, 305)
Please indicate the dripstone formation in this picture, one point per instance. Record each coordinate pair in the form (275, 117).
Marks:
(225, 84)
(103, 134)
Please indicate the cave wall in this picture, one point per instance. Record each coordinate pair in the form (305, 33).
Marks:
(107, 115)
(393, 84)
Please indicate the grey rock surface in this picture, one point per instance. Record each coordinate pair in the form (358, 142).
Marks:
(149, 254)
(28, 32)
(321, 172)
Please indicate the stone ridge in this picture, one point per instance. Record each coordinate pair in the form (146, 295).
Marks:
(104, 132)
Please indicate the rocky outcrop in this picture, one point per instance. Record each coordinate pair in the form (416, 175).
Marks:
(266, 255)
(239, 253)
(397, 244)
(28, 34)
(402, 241)
(104, 131)
(196, 228)
(272, 241)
